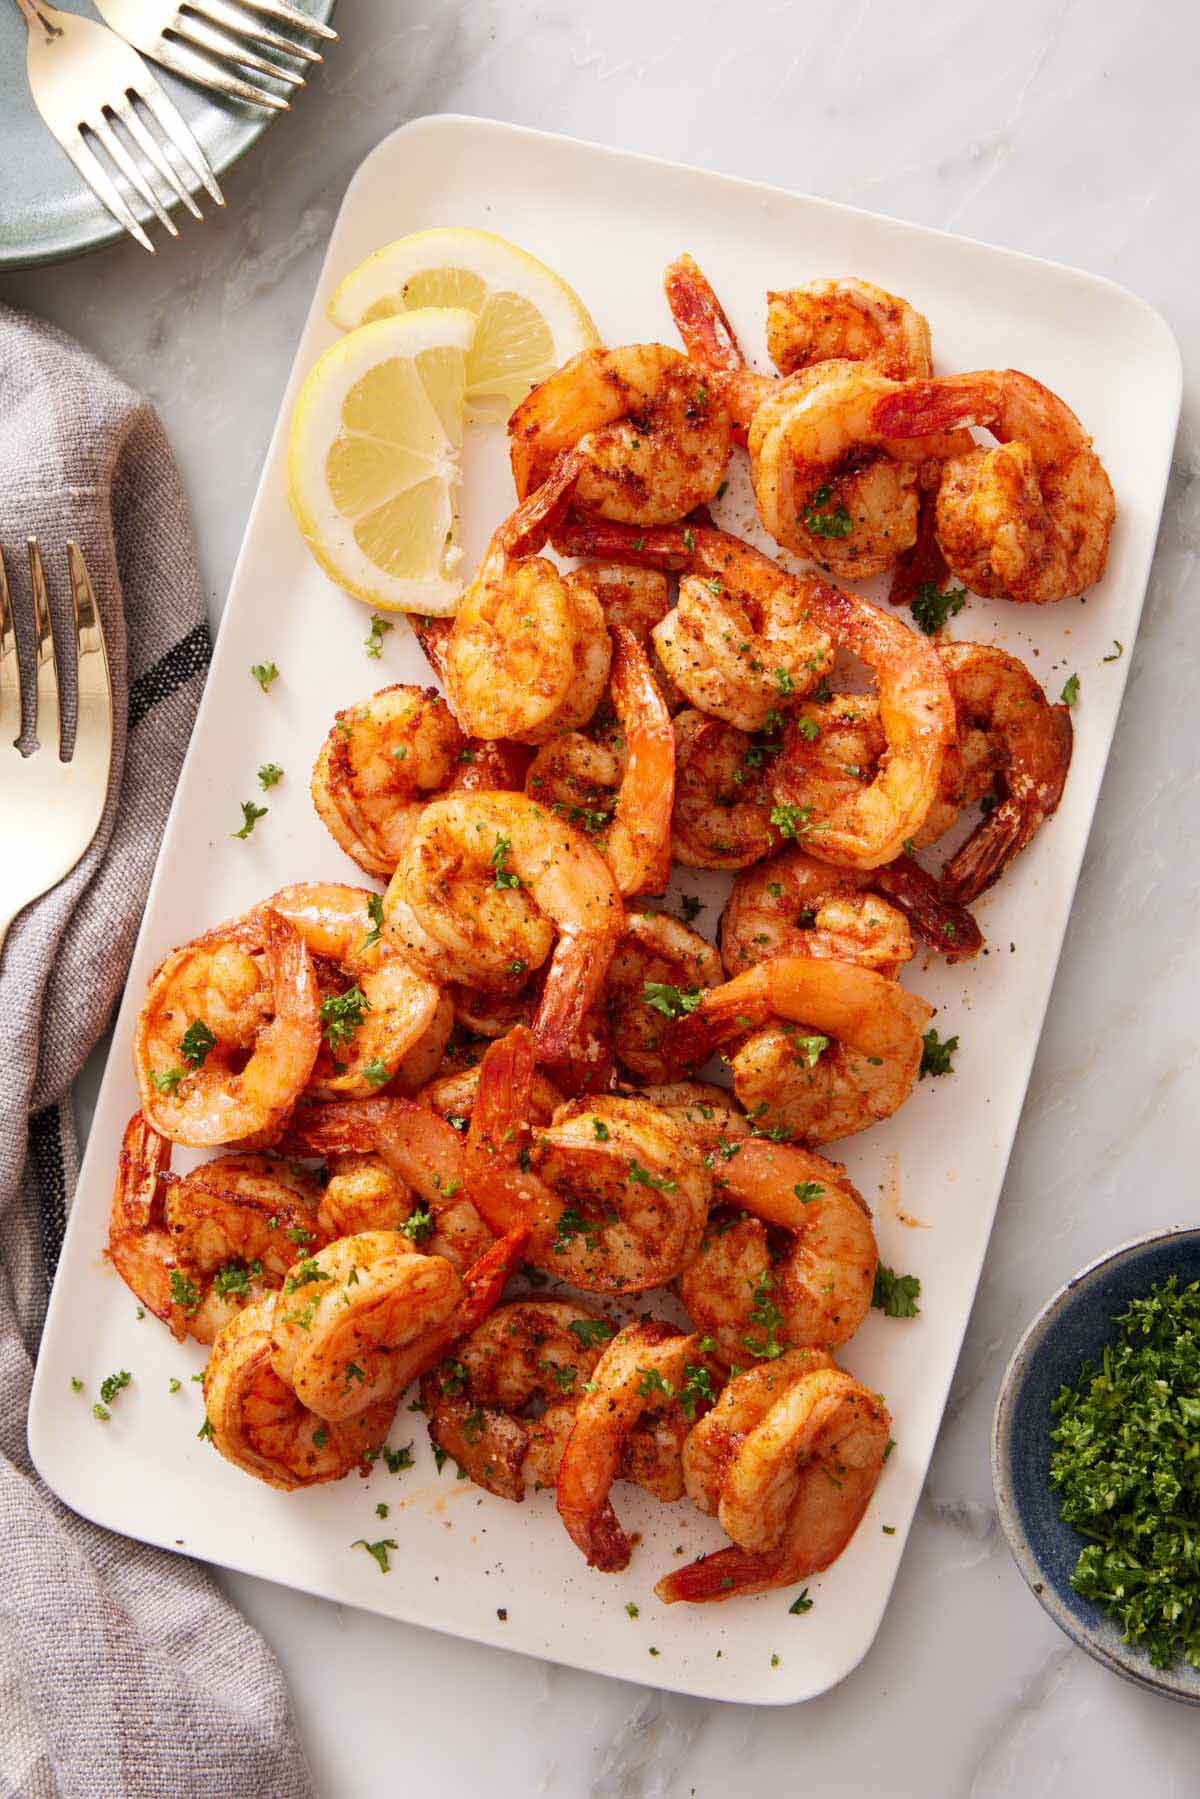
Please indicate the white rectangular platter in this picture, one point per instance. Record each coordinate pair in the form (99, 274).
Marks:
(467, 1562)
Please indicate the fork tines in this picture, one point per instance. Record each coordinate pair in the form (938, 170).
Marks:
(220, 45)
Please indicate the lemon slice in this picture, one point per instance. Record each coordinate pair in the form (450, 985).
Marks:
(373, 459)
(530, 321)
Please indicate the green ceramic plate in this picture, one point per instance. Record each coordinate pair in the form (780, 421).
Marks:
(46, 212)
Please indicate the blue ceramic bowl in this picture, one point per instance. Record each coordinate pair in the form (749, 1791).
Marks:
(1073, 1328)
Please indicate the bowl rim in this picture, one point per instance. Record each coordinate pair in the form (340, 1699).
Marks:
(1020, 1545)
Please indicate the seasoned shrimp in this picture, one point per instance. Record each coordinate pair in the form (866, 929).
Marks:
(652, 438)
(528, 653)
(419, 1064)
(228, 1033)
(452, 1096)
(643, 1370)
(794, 905)
(787, 1459)
(383, 759)
(722, 816)
(345, 1313)
(486, 885)
(257, 1422)
(376, 1006)
(659, 970)
(614, 1194)
(394, 1166)
(916, 711)
(195, 1248)
(840, 1049)
(828, 482)
(1007, 726)
(622, 795)
(849, 320)
(789, 1256)
(1029, 519)
(639, 599)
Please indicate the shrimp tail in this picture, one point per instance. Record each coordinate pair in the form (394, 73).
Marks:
(701, 320)
(943, 924)
(577, 969)
(347, 1127)
(639, 844)
(926, 408)
(433, 635)
(726, 1574)
(529, 528)
(137, 1226)
(924, 564)
(502, 1098)
(1006, 831)
(644, 546)
(483, 1282)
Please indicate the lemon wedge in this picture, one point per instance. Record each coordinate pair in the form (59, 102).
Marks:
(374, 459)
(530, 321)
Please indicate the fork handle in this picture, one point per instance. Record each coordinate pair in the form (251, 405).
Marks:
(35, 16)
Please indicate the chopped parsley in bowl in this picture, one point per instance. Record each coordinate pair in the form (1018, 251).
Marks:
(1096, 1460)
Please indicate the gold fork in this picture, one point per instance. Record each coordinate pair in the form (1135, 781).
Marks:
(218, 45)
(51, 809)
(91, 88)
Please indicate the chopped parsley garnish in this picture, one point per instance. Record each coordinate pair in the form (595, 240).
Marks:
(766, 1314)
(937, 1057)
(498, 858)
(111, 1385)
(1127, 1473)
(418, 1225)
(931, 607)
(821, 523)
(378, 1550)
(184, 1291)
(235, 1277)
(572, 1223)
(1118, 650)
(250, 817)
(166, 1080)
(642, 1177)
(894, 1294)
(807, 1191)
(632, 1609)
(264, 673)
(305, 1274)
(77, 1384)
(382, 1509)
(1070, 692)
(785, 682)
(651, 1382)
(453, 1377)
(563, 1374)
(809, 1050)
(696, 1389)
(809, 729)
(800, 1604)
(377, 1072)
(791, 821)
(101, 1413)
(205, 1431)
(398, 1459)
(691, 907)
(296, 1233)
(373, 642)
(603, 1134)
(590, 1331)
(174, 1385)
(269, 775)
(341, 1014)
(672, 1002)
(197, 1043)
(375, 914)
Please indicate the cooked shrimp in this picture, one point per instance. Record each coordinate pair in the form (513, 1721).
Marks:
(913, 693)
(376, 1005)
(504, 1404)
(487, 883)
(528, 653)
(658, 971)
(708, 1114)
(422, 1062)
(345, 1313)
(621, 795)
(228, 1033)
(653, 439)
(794, 905)
(643, 1370)
(849, 320)
(639, 599)
(787, 1460)
(722, 816)
(453, 1096)
(789, 1256)
(840, 1049)
(1007, 726)
(614, 1194)
(1029, 519)
(195, 1248)
(828, 482)
(379, 764)
(395, 1166)
(257, 1422)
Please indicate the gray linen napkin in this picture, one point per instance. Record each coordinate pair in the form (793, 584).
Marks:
(123, 1670)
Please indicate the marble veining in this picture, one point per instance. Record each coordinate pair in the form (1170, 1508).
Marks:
(1060, 128)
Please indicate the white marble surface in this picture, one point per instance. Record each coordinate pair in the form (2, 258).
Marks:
(1066, 129)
